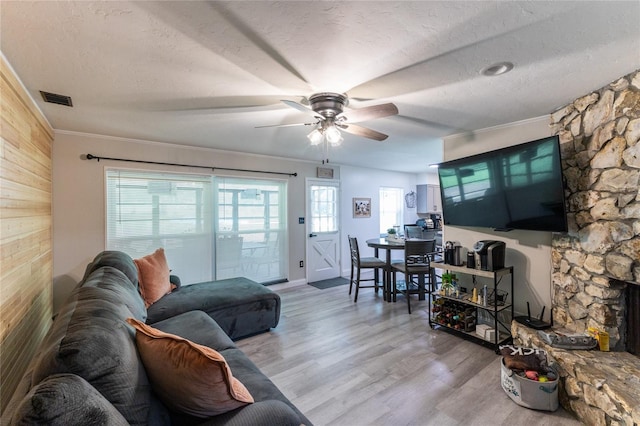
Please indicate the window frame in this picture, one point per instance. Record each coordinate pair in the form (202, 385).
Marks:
(399, 210)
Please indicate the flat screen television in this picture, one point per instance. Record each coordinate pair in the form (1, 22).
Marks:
(518, 187)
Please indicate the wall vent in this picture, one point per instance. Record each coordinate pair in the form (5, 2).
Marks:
(54, 98)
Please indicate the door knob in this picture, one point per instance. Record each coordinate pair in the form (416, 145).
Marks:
(313, 235)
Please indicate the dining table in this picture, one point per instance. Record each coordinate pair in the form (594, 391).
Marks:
(388, 245)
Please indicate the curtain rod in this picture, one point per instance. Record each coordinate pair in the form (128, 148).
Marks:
(95, 157)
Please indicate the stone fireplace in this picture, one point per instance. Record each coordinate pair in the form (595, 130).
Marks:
(633, 319)
(596, 265)
(600, 255)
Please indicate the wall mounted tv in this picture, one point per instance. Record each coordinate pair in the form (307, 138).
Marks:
(518, 187)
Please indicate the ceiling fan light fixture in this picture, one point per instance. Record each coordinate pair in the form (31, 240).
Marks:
(333, 135)
(328, 110)
(315, 137)
(337, 142)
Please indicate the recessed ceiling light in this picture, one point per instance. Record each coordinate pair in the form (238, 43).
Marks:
(497, 69)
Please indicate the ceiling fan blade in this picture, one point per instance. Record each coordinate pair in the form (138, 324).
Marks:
(428, 123)
(303, 108)
(363, 131)
(369, 113)
(288, 125)
(213, 104)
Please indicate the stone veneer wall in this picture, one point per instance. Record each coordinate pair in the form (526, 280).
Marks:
(600, 388)
(599, 136)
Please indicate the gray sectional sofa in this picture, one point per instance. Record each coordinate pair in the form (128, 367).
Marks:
(88, 370)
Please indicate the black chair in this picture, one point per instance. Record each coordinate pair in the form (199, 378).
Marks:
(413, 231)
(358, 264)
(418, 255)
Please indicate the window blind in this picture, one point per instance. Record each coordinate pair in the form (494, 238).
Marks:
(210, 227)
(251, 228)
(147, 210)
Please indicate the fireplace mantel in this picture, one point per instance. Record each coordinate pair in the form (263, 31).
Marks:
(600, 388)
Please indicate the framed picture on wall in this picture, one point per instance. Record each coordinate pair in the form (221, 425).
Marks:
(361, 207)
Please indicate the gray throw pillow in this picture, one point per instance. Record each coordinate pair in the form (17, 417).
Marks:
(66, 400)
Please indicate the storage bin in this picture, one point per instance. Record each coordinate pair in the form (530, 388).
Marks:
(530, 393)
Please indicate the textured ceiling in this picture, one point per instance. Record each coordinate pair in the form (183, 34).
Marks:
(207, 73)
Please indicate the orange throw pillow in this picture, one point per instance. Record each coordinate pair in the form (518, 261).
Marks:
(188, 377)
(153, 275)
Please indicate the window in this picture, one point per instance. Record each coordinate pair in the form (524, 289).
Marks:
(324, 208)
(210, 227)
(391, 208)
(251, 229)
(148, 210)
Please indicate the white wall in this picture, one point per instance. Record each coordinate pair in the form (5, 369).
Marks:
(78, 196)
(78, 202)
(529, 252)
(359, 182)
(428, 178)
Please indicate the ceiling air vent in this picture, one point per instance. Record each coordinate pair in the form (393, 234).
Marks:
(54, 98)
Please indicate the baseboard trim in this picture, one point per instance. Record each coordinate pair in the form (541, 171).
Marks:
(288, 284)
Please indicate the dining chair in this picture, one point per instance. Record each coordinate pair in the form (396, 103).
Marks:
(362, 263)
(418, 255)
(413, 231)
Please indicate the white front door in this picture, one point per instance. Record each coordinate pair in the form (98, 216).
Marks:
(323, 229)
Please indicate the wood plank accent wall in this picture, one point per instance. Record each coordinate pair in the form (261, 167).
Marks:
(26, 256)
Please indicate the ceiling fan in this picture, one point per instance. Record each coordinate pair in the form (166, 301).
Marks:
(328, 109)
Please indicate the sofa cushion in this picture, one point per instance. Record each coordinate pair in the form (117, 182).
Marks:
(197, 327)
(118, 289)
(153, 275)
(188, 377)
(239, 305)
(66, 400)
(260, 386)
(263, 413)
(116, 259)
(90, 338)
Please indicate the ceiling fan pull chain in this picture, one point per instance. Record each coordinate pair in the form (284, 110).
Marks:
(323, 149)
(326, 147)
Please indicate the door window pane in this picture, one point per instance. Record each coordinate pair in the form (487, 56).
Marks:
(324, 208)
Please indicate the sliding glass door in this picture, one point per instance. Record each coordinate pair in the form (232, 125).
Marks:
(251, 229)
(147, 210)
(210, 227)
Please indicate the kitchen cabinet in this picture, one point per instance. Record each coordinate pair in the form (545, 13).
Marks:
(488, 323)
(428, 199)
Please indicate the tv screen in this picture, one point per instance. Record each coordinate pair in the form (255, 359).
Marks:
(518, 187)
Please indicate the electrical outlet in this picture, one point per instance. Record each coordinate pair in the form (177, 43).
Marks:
(302, 263)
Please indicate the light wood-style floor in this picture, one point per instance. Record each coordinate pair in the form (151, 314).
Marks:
(371, 363)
